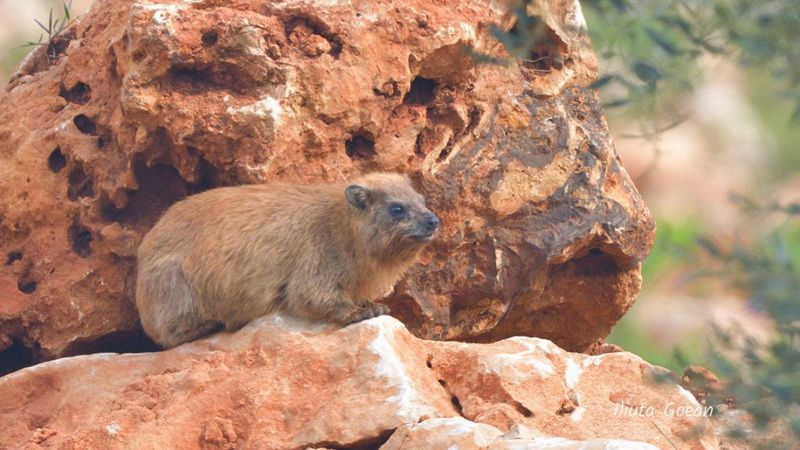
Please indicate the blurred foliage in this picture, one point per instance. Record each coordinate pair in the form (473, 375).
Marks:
(674, 241)
(762, 265)
(634, 338)
(651, 48)
(11, 57)
(772, 109)
(763, 376)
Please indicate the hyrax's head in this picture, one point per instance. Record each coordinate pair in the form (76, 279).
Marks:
(395, 215)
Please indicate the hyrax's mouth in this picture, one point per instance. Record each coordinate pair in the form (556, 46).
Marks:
(426, 228)
(423, 237)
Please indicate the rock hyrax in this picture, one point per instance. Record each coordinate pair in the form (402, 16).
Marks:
(226, 256)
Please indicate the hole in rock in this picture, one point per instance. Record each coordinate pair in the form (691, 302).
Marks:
(421, 92)
(109, 211)
(210, 38)
(474, 119)
(85, 125)
(126, 341)
(56, 161)
(190, 75)
(26, 284)
(596, 263)
(15, 357)
(429, 362)
(209, 176)
(79, 184)
(112, 64)
(418, 145)
(523, 410)
(159, 187)
(445, 151)
(195, 80)
(368, 443)
(361, 146)
(79, 94)
(372, 443)
(101, 142)
(456, 403)
(543, 59)
(13, 257)
(81, 238)
(60, 42)
(565, 410)
(545, 54)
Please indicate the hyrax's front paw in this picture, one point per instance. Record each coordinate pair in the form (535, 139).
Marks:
(369, 312)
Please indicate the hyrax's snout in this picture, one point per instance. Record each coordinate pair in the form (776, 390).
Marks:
(427, 225)
(430, 221)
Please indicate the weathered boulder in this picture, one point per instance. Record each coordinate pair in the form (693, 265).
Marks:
(138, 104)
(282, 383)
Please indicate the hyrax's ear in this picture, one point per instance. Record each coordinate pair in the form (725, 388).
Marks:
(358, 196)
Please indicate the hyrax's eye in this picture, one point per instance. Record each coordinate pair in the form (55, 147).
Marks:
(397, 210)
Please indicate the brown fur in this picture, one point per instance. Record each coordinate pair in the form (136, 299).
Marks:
(227, 256)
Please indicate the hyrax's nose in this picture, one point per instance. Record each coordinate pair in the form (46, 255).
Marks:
(431, 221)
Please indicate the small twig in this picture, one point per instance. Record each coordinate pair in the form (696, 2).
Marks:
(662, 433)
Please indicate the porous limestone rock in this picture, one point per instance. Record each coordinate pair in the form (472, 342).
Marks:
(138, 104)
(283, 383)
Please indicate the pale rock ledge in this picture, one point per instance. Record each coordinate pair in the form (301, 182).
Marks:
(285, 383)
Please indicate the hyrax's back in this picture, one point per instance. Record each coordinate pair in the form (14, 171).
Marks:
(203, 265)
(229, 255)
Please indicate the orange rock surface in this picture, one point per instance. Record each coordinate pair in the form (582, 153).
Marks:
(282, 383)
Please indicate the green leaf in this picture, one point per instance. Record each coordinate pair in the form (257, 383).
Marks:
(662, 41)
(647, 72)
(602, 81)
(796, 427)
(617, 103)
(711, 48)
(796, 112)
(46, 30)
(792, 209)
(680, 23)
(621, 5)
(709, 246)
